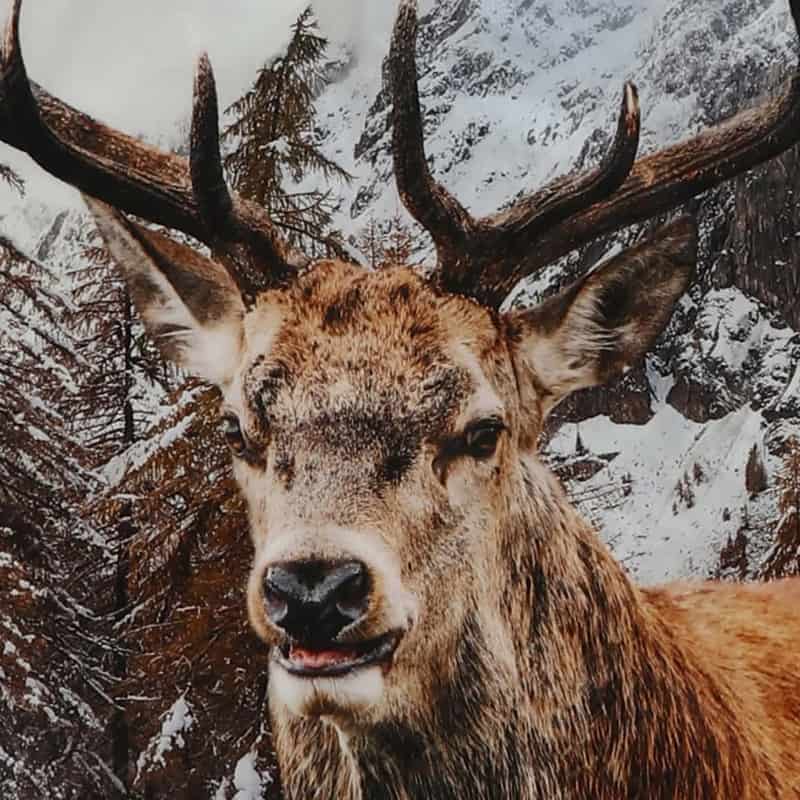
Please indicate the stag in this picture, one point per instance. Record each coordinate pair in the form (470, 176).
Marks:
(442, 623)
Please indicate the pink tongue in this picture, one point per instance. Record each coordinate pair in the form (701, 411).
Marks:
(320, 658)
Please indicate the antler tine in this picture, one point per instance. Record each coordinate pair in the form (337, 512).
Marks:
(461, 240)
(16, 89)
(570, 194)
(205, 159)
(448, 222)
(663, 180)
(139, 179)
(501, 249)
(216, 205)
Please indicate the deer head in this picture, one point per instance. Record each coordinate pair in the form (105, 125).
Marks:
(384, 426)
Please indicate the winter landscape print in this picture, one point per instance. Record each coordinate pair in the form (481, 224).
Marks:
(366, 379)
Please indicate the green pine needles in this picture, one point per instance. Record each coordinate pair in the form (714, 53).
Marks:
(274, 147)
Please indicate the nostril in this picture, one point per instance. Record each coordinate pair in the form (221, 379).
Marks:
(352, 595)
(275, 601)
(277, 608)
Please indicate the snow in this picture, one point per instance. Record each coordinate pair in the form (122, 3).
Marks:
(247, 780)
(281, 146)
(82, 708)
(740, 319)
(136, 456)
(177, 721)
(740, 348)
(222, 790)
(793, 389)
(653, 537)
(37, 698)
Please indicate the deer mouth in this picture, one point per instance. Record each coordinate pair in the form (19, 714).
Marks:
(332, 659)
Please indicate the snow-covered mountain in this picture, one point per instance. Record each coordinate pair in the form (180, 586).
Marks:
(516, 92)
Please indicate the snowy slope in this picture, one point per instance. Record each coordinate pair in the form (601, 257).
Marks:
(651, 530)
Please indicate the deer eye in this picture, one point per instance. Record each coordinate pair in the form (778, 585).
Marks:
(232, 431)
(481, 438)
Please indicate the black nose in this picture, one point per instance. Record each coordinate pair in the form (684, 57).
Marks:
(314, 601)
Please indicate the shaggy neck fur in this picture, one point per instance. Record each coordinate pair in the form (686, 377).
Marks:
(601, 701)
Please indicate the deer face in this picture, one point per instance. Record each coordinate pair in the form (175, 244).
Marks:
(383, 420)
(382, 432)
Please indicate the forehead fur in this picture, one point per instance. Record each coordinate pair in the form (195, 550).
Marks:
(340, 318)
(338, 298)
(381, 350)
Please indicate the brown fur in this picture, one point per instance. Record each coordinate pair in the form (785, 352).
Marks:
(528, 666)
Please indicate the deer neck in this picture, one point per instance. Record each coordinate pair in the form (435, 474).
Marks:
(614, 692)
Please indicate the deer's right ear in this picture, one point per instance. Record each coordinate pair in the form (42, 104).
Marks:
(597, 328)
(189, 304)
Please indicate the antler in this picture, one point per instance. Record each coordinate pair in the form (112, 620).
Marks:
(140, 180)
(485, 258)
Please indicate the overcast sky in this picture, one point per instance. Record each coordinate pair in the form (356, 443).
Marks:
(131, 62)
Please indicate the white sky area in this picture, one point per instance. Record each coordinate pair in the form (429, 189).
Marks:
(131, 62)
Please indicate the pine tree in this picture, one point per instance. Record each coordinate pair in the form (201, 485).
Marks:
(369, 243)
(733, 558)
(399, 244)
(190, 558)
(273, 143)
(390, 243)
(40, 463)
(113, 406)
(10, 178)
(127, 377)
(685, 493)
(51, 676)
(698, 473)
(784, 558)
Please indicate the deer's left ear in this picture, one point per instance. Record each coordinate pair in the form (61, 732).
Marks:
(189, 304)
(600, 326)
